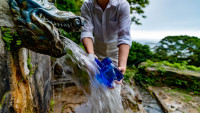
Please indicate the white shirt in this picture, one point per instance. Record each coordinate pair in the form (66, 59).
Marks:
(109, 26)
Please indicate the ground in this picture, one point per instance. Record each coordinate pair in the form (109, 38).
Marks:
(176, 100)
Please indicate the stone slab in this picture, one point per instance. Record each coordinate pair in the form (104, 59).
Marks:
(176, 101)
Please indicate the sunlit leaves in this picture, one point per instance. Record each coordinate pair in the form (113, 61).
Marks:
(178, 49)
(138, 53)
(137, 7)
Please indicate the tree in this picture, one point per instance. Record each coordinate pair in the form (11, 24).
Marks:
(138, 53)
(137, 7)
(69, 5)
(179, 49)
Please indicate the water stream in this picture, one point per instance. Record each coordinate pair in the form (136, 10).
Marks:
(150, 104)
(83, 70)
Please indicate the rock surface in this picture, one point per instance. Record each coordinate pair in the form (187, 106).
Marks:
(40, 81)
(5, 14)
(176, 100)
(5, 79)
(69, 99)
(19, 94)
(23, 94)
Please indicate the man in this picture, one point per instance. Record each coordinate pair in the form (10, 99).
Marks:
(109, 22)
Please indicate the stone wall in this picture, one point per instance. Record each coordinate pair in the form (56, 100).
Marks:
(5, 78)
(18, 93)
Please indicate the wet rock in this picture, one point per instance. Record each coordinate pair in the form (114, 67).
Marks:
(68, 99)
(128, 99)
(2, 46)
(40, 81)
(5, 77)
(58, 70)
(19, 94)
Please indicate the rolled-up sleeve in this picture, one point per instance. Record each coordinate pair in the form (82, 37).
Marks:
(124, 25)
(87, 29)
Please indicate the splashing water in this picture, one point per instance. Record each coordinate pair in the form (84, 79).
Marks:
(84, 68)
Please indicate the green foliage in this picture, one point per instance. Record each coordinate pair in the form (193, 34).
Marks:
(137, 7)
(52, 103)
(179, 49)
(130, 72)
(138, 53)
(69, 5)
(180, 82)
(187, 98)
(11, 39)
(29, 62)
(74, 36)
(142, 79)
(180, 93)
(3, 99)
(161, 77)
(179, 66)
(30, 66)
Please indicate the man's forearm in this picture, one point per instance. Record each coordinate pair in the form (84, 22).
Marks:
(88, 44)
(123, 55)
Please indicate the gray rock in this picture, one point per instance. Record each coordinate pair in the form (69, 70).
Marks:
(5, 78)
(40, 81)
(2, 45)
(38, 84)
(5, 14)
(34, 94)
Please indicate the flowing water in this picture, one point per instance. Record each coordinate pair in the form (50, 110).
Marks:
(83, 70)
(150, 104)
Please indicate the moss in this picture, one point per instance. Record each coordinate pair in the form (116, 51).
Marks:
(3, 98)
(63, 108)
(11, 39)
(30, 66)
(161, 77)
(29, 61)
(187, 98)
(52, 103)
(180, 93)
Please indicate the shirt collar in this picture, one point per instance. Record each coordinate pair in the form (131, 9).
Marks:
(111, 2)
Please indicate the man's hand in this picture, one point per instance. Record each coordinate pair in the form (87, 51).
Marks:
(119, 82)
(92, 56)
(122, 69)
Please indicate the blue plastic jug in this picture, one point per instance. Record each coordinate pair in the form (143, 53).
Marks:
(108, 72)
